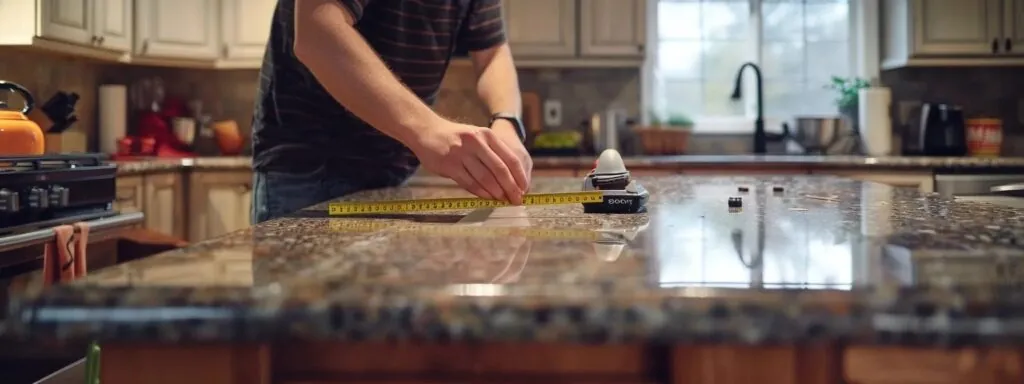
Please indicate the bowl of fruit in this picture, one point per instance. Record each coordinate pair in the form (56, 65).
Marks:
(558, 143)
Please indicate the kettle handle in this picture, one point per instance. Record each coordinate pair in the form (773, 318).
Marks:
(25, 94)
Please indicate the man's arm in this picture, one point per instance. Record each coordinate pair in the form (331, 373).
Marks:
(327, 43)
(497, 81)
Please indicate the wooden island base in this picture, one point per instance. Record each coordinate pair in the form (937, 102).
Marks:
(330, 363)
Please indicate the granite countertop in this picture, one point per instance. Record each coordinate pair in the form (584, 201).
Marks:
(636, 162)
(824, 259)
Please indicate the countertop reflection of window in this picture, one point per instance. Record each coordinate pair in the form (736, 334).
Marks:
(700, 44)
(698, 253)
(805, 252)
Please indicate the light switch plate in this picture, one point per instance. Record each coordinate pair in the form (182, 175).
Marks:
(553, 113)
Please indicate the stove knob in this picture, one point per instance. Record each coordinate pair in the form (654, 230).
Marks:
(37, 198)
(9, 201)
(59, 196)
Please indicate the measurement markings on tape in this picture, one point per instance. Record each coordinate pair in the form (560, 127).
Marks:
(468, 231)
(363, 207)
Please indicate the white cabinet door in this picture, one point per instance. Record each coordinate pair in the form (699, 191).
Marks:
(613, 27)
(956, 27)
(185, 29)
(1013, 27)
(541, 28)
(245, 27)
(67, 20)
(113, 24)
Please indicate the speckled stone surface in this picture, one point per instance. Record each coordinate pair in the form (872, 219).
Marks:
(130, 167)
(662, 162)
(806, 162)
(823, 259)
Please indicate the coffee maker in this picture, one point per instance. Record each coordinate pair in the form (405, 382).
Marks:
(941, 131)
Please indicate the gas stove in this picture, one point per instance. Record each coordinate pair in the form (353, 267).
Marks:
(38, 192)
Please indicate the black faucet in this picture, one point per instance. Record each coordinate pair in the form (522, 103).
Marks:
(760, 137)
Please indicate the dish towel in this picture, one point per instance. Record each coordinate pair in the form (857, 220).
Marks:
(64, 258)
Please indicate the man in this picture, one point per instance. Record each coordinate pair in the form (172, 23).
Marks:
(343, 102)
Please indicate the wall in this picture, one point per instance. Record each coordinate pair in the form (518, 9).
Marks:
(981, 91)
(228, 94)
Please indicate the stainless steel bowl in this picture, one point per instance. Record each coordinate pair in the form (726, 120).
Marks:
(818, 134)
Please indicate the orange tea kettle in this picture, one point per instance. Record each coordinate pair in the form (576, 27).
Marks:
(19, 136)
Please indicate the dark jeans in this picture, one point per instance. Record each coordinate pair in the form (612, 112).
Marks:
(276, 194)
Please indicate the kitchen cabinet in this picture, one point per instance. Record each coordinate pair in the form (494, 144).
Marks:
(164, 204)
(541, 28)
(104, 24)
(159, 196)
(130, 194)
(245, 28)
(613, 28)
(177, 29)
(952, 32)
(219, 202)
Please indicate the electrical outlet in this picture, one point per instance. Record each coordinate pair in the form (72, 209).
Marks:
(553, 113)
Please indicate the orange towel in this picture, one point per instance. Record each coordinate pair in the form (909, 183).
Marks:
(64, 258)
(81, 243)
(56, 254)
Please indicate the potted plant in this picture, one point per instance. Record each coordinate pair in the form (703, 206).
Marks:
(847, 100)
(666, 135)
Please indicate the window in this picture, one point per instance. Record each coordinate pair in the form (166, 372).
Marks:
(701, 44)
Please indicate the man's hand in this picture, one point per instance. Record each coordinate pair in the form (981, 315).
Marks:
(476, 158)
(507, 133)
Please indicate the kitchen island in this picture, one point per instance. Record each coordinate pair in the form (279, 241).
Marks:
(812, 280)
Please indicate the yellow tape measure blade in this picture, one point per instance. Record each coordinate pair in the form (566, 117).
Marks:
(357, 207)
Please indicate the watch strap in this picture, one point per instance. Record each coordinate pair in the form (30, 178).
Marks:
(512, 118)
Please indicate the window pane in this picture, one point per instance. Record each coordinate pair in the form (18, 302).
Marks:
(783, 59)
(827, 59)
(680, 59)
(725, 20)
(783, 20)
(827, 21)
(723, 59)
(785, 98)
(683, 97)
(679, 19)
(717, 100)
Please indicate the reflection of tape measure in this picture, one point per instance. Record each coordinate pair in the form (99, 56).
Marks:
(463, 230)
(363, 207)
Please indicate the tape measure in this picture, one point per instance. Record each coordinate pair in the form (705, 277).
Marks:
(364, 207)
(471, 231)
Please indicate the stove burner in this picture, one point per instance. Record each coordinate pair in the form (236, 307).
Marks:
(38, 192)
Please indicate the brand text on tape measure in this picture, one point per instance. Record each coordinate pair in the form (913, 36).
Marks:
(363, 207)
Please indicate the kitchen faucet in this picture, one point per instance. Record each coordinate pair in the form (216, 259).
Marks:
(760, 137)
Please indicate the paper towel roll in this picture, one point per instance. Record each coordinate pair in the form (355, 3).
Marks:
(875, 123)
(113, 105)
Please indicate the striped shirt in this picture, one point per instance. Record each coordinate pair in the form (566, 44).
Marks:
(298, 127)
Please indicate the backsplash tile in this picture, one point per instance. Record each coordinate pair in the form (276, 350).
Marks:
(981, 91)
(229, 94)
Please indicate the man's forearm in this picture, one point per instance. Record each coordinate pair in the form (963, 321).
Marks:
(342, 61)
(497, 82)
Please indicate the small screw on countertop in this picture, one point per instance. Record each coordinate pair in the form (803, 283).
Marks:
(744, 189)
(777, 189)
(735, 202)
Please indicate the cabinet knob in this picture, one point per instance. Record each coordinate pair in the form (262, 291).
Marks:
(640, 48)
(995, 45)
(1008, 45)
(95, 39)
(100, 39)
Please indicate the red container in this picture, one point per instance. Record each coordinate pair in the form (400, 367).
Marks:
(984, 137)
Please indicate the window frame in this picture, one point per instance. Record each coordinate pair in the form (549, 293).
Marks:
(864, 41)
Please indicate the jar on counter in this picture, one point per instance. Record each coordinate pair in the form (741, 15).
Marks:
(984, 137)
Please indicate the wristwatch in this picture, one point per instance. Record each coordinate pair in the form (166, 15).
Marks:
(512, 118)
